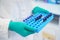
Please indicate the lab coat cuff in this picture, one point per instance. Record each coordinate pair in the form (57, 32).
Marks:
(4, 24)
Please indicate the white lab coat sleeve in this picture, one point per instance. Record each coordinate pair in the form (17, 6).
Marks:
(4, 24)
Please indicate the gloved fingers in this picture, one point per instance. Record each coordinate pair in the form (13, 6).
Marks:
(25, 33)
(29, 28)
(38, 10)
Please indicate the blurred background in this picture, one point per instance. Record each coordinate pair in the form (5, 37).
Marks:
(51, 30)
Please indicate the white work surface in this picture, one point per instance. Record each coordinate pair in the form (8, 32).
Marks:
(50, 7)
(51, 29)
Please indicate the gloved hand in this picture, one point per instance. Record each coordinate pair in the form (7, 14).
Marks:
(21, 28)
(38, 10)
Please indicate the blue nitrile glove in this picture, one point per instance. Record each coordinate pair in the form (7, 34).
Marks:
(20, 28)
